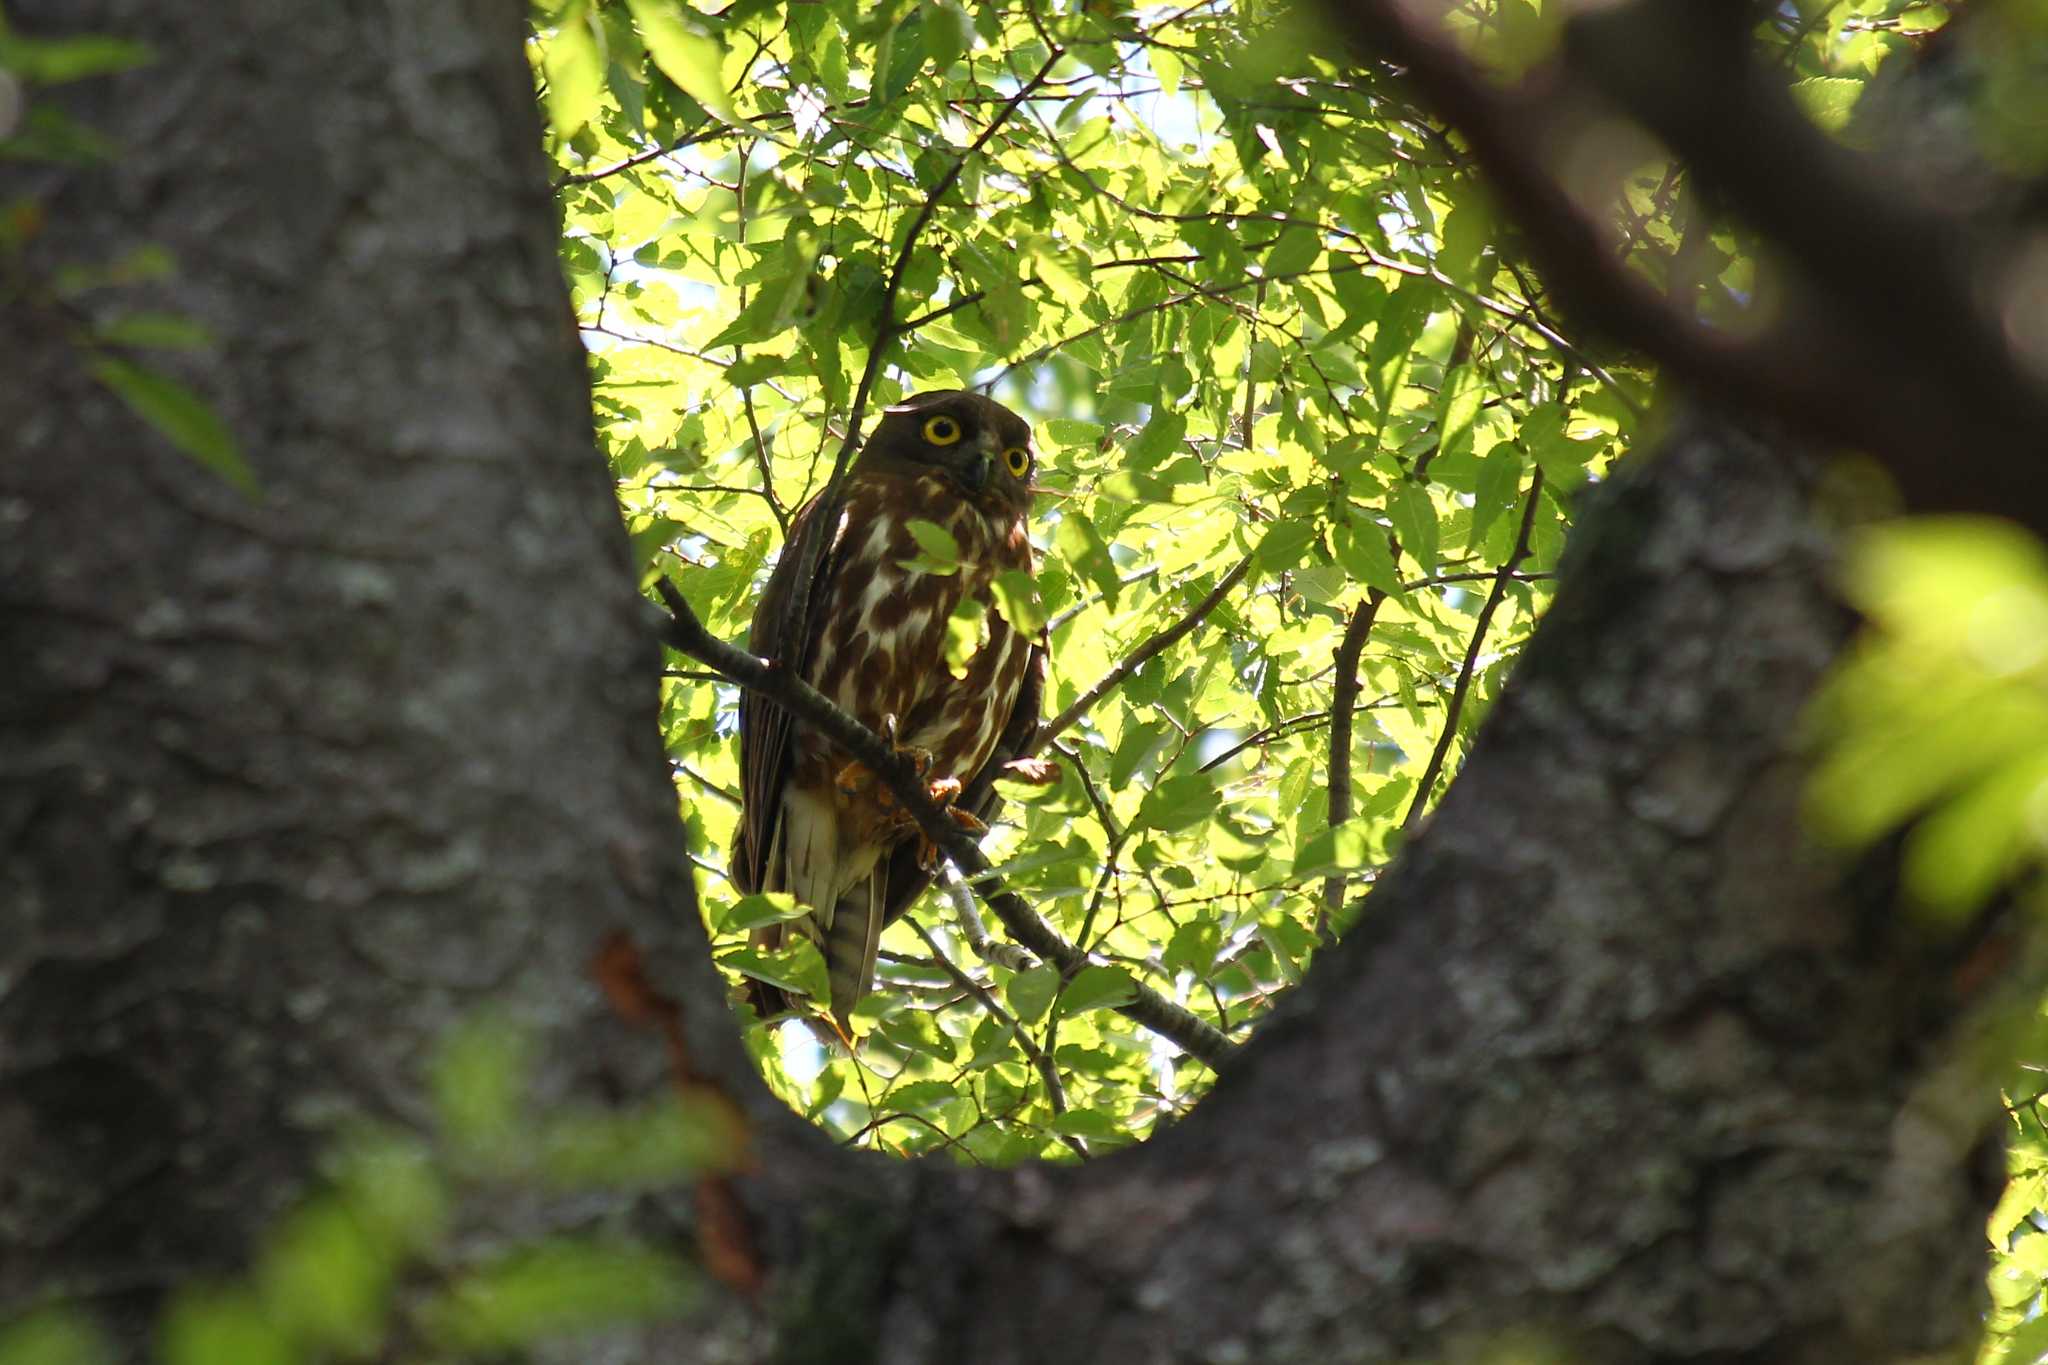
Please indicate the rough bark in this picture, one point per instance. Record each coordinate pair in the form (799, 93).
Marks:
(287, 785)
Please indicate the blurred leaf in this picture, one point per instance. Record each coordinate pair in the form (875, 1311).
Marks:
(182, 417)
(690, 59)
(560, 1288)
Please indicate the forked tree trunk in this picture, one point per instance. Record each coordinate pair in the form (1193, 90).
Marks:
(289, 784)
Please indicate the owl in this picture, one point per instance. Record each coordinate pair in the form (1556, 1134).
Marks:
(814, 823)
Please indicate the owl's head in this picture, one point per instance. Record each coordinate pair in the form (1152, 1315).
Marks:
(982, 447)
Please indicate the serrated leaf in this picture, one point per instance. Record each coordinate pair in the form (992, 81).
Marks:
(1464, 390)
(1500, 474)
(948, 32)
(1340, 848)
(1178, 802)
(1828, 100)
(1193, 947)
(1362, 549)
(1284, 543)
(1087, 1123)
(1414, 517)
(1297, 249)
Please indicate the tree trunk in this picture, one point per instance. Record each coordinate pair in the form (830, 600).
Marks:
(289, 784)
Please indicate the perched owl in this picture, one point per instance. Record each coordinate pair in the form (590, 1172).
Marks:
(814, 823)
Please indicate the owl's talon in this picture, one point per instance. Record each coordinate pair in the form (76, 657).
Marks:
(855, 778)
(945, 791)
(967, 820)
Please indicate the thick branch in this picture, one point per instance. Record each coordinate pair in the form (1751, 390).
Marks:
(1881, 343)
(793, 694)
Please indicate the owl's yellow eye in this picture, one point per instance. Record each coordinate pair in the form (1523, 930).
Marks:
(1018, 459)
(941, 431)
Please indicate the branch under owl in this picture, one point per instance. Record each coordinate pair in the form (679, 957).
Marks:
(1149, 1008)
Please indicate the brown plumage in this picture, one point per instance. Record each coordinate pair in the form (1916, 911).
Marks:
(876, 647)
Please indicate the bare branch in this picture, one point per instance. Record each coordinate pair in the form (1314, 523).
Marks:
(1343, 703)
(1464, 685)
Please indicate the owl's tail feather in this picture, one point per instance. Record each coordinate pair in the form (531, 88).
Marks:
(852, 942)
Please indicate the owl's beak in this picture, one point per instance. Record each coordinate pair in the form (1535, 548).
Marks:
(973, 471)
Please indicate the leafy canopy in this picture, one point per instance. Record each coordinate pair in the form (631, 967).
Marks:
(1261, 313)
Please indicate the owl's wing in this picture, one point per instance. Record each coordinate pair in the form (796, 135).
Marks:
(906, 880)
(764, 726)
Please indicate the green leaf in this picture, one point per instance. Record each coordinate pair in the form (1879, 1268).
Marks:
(1178, 802)
(54, 1336)
(797, 966)
(1828, 100)
(1193, 947)
(1016, 595)
(966, 632)
(1030, 992)
(1500, 475)
(1361, 547)
(1095, 988)
(1340, 848)
(1283, 545)
(480, 1073)
(1414, 517)
(1087, 1123)
(690, 59)
(1084, 548)
(574, 63)
(1298, 248)
(919, 1096)
(1464, 390)
(208, 1326)
(55, 61)
(182, 417)
(161, 331)
(938, 550)
(560, 1286)
(759, 910)
(948, 33)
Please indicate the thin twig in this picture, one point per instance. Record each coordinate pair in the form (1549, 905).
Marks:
(1137, 659)
(1047, 1072)
(990, 950)
(1464, 683)
(1343, 703)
